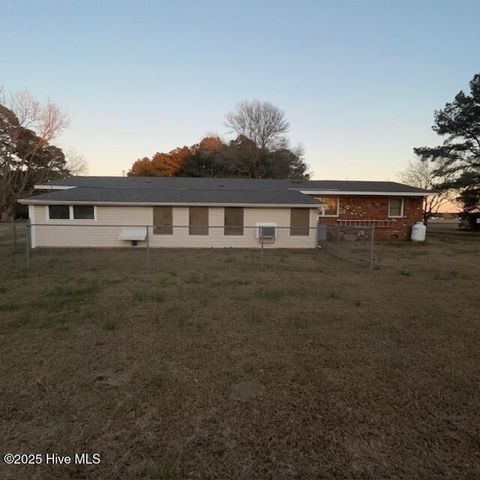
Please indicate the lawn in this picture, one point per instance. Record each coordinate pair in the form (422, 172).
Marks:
(206, 367)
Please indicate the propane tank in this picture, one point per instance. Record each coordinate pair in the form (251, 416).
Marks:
(419, 231)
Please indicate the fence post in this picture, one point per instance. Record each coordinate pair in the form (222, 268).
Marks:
(14, 235)
(27, 243)
(261, 253)
(372, 243)
(148, 248)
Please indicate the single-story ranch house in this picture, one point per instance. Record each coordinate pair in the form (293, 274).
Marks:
(214, 212)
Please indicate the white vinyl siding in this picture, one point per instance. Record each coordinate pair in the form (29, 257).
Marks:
(81, 233)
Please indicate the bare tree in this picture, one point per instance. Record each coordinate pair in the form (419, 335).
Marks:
(76, 163)
(263, 123)
(421, 174)
(47, 121)
(26, 156)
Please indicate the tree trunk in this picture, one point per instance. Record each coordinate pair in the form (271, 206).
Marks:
(426, 218)
(5, 212)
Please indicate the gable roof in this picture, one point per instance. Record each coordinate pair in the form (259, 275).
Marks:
(173, 196)
(208, 191)
(208, 183)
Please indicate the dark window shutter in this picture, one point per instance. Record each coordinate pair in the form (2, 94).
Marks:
(198, 221)
(299, 221)
(233, 221)
(162, 220)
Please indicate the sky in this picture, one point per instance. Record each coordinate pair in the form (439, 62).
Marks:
(359, 81)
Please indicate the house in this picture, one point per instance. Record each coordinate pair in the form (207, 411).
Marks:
(390, 206)
(213, 212)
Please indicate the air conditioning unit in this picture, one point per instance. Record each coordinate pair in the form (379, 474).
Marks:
(266, 232)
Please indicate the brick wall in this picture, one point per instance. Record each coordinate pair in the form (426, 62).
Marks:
(376, 208)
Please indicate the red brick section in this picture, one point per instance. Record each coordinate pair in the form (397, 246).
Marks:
(376, 208)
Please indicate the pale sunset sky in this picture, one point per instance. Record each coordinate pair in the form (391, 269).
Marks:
(358, 80)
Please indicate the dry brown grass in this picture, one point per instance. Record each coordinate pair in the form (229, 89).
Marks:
(207, 368)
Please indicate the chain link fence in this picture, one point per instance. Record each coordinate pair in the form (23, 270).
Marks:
(142, 244)
(13, 240)
(351, 243)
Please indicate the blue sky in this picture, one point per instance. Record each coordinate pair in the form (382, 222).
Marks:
(358, 80)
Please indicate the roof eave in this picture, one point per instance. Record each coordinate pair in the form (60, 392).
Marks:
(31, 201)
(53, 187)
(423, 193)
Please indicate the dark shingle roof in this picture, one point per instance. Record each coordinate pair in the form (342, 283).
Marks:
(221, 191)
(199, 183)
(239, 184)
(175, 196)
(359, 186)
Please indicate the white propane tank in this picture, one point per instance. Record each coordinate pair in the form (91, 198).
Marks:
(419, 231)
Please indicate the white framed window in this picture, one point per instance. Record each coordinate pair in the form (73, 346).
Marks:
(331, 208)
(395, 207)
(72, 212)
(84, 212)
(59, 212)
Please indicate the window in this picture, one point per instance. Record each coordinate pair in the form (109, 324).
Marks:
(233, 221)
(83, 212)
(69, 212)
(331, 206)
(162, 221)
(198, 221)
(59, 212)
(299, 221)
(395, 208)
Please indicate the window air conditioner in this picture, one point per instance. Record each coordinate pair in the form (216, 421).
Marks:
(266, 232)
